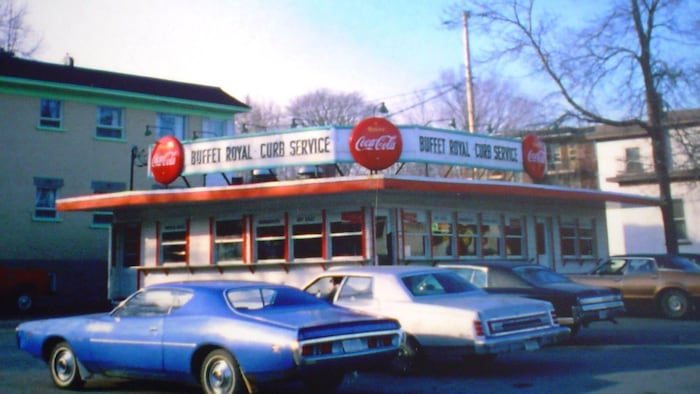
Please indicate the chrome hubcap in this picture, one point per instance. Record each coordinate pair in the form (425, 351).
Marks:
(64, 365)
(220, 377)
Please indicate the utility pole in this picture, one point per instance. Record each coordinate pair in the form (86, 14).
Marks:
(468, 75)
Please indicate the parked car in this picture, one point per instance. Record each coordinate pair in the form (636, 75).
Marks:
(227, 336)
(19, 287)
(669, 283)
(693, 257)
(576, 304)
(442, 314)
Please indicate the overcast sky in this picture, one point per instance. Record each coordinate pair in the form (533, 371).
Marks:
(270, 50)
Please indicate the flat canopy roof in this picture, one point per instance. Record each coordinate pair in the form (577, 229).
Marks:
(342, 185)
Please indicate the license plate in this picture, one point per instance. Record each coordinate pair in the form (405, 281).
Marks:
(353, 345)
(531, 345)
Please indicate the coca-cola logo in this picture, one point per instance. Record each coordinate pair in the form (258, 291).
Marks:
(167, 159)
(534, 156)
(375, 143)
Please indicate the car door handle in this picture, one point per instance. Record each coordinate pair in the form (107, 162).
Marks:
(153, 329)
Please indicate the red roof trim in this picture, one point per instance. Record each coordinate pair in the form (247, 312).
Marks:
(337, 186)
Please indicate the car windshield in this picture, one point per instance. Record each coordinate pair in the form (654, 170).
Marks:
(537, 275)
(433, 283)
(266, 297)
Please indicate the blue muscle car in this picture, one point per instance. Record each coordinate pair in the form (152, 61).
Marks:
(229, 337)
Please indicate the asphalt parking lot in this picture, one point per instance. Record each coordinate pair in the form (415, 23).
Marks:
(641, 354)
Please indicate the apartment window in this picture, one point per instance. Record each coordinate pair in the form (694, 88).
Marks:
(45, 198)
(103, 219)
(170, 124)
(633, 161)
(109, 123)
(270, 238)
(514, 236)
(212, 127)
(173, 243)
(228, 240)
(50, 114)
(307, 236)
(346, 233)
(553, 156)
(415, 232)
(679, 219)
(467, 234)
(442, 234)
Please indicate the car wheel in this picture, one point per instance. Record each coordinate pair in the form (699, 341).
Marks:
(409, 358)
(327, 382)
(64, 367)
(220, 374)
(674, 304)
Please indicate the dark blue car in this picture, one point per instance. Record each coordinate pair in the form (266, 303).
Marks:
(227, 337)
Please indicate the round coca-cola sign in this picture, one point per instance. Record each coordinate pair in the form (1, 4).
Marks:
(375, 143)
(534, 156)
(167, 159)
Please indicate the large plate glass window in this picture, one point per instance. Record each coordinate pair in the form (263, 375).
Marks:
(514, 229)
(269, 238)
(228, 240)
(170, 124)
(442, 234)
(109, 123)
(173, 243)
(415, 233)
(50, 113)
(491, 236)
(45, 198)
(346, 233)
(307, 236)
(212, 128)
(467, 234)
(577, 237)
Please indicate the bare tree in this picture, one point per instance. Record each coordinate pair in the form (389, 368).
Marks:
(323, 107)
(500, 107)
(15, 35)
(627, 66)
(263, 116)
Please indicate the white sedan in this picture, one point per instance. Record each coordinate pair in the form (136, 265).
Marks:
(443, 313)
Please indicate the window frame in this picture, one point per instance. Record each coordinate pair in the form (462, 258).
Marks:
(50, 122)
(233, 239)
(46, 192)
(176, 244)
(111, 128)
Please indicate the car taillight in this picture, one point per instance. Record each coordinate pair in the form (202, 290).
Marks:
(478, 328)
(381, 341)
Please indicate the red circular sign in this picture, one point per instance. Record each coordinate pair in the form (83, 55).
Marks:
(167, 159)
(534, 156)
(375, 143)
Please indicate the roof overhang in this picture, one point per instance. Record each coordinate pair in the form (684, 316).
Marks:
(342, 185)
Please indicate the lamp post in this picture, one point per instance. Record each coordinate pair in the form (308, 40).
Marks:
(136, 155)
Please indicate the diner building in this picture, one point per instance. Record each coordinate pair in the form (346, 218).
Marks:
(286, 231)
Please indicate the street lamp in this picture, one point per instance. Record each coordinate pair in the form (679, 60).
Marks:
(138, 158)
(381, 108)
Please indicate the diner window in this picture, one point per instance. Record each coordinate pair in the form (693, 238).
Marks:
(45, 198)
(577, 238)
(346, 233)
(50, 114)
(103, 219)
(467, 234)
(228, 240)
(442, 234)
(415, 233)
(514, 236)
(170, 124)
(307, 236)
(491, 235)
(679, 219)
(173, 243)
(270, 238)
(109, 123)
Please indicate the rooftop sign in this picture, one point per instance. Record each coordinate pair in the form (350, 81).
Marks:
(374, 143)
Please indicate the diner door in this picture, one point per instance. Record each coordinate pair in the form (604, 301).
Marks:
(125, 253)
(543, 241)
(384, 237)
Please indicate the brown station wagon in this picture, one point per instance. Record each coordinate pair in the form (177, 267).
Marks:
(669, 283)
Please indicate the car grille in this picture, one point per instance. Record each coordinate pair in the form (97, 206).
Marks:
(601, 302)
(519, 324)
